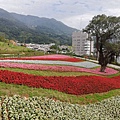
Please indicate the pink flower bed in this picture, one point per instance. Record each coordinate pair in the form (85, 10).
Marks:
(108, 71)
(50, 57)
(72, 85)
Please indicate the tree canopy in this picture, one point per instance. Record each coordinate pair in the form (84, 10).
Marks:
(106, 30)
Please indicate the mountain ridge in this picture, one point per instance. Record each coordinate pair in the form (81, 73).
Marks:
(34, 29)
(36, 21)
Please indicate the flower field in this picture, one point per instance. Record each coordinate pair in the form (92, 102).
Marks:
(43, 108)
(73, 85)
(84, 64)
(76, 85)
(59, 68)
(50, 57)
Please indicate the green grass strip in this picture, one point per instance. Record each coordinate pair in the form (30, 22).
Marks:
(12, 89)
(47, 73)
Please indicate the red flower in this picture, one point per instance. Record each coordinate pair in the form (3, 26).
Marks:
(72, 85)
(49, 57)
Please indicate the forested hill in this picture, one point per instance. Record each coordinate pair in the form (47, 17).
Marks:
(34, 29)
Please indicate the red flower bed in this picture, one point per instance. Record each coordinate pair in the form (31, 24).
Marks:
(49, 57)
(71, 85)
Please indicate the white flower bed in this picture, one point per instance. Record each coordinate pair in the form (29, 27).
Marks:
(85, 64)
(41, 108)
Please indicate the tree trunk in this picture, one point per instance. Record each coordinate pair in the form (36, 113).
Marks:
(116, 59)
(97, 47)
(103, 60)
(103, 67)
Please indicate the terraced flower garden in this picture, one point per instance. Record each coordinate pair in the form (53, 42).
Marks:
(55, 86)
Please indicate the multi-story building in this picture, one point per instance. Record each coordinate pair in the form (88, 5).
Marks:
(81, 43)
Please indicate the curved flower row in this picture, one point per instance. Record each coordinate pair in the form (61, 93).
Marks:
(108, 71)
(42, 108)
(72, 85)
(50, 57)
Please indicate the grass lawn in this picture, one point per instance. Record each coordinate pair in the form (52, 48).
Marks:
(11, 89)
(47, 73)
(10, 50)
(53, 73)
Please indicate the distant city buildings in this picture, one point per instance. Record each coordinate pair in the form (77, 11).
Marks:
(40, 47)
(82, 43)
(46, 48)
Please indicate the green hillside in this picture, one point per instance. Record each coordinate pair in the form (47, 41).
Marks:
(31, 29)
(8, 49)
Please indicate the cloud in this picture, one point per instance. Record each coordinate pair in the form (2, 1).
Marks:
(74, 13)
(113, 12)
(79, 21)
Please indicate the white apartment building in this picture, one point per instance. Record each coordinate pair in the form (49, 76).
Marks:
(81, 44)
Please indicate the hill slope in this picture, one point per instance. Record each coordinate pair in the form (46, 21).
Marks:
(34, 29)
(33, 22)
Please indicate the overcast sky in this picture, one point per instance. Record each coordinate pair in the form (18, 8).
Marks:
(74, 13)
